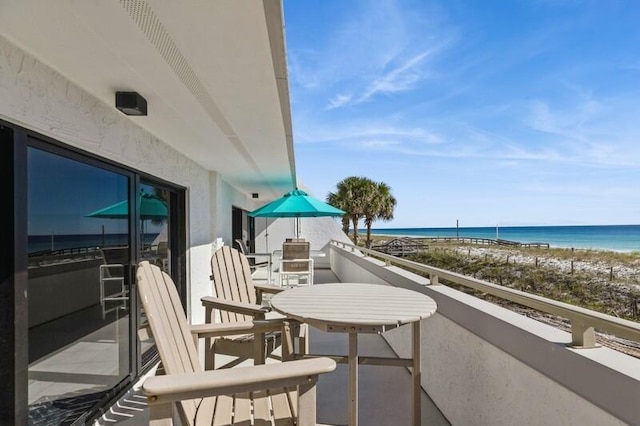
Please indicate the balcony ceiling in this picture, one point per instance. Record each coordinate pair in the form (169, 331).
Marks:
(213, 73)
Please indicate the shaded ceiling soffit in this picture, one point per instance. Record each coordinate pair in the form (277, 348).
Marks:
(275, 30)
(144, 17)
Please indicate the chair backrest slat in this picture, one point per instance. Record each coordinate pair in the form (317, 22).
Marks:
(232, 280)
(295, 250)
(169, 325)
(222, 284)
(242, 270)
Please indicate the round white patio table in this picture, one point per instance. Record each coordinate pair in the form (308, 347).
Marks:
(361, 308)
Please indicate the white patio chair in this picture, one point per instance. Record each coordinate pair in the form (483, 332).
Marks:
(296, 262)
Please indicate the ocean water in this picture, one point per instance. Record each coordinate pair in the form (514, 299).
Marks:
(601, 237)
(58, 242)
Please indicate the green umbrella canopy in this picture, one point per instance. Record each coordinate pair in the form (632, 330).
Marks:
(151, 207)
(296, 204)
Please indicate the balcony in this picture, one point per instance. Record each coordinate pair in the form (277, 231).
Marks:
(481, 363)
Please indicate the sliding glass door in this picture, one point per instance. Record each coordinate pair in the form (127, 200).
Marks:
(79, 280)
(77, 226)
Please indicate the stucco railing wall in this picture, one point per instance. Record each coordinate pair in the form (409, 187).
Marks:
(486, 365)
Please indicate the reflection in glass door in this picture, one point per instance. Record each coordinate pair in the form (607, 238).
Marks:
(154, 203)
(78, 284)
(154, 206)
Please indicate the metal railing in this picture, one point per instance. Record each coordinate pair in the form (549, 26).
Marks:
(584, 322)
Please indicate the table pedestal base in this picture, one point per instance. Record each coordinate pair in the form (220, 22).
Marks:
(353, 378)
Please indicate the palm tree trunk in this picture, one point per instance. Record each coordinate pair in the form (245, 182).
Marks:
(368, 223)
(345, 224)
(354, 220)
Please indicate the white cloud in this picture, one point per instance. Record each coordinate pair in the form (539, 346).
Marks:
(379, 144)
(384, 49)
(584, 129)
(400, 79)
(570, 121)
(364, 132)
(338, 101)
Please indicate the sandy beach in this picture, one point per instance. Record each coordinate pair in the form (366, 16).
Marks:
(596, 263)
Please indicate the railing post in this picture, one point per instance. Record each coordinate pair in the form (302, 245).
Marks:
(582, 335)
(434, 280)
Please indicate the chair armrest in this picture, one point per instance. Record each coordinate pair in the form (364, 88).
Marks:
(259, 255)
(254, 256)
(231, 329)
(178, 387)
(112, 265)
(234, 306)
(302, 259)
(108, 270)
(266, 288)
(308, 259)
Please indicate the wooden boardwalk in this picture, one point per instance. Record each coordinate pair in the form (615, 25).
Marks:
(405, 245)
(401, 246)
(486, 241)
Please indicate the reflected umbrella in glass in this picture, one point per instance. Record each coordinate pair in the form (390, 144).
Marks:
(151, 208)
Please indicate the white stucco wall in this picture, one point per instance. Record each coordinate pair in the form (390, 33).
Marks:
(223, 197)
(38, 98)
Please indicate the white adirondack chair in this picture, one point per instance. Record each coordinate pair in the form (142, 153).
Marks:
(282, 393)
(238, 298)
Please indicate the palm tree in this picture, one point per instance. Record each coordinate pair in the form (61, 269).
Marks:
(350, 197)
(362, 192)
(337, 200)
(379, 206)
(161, 194)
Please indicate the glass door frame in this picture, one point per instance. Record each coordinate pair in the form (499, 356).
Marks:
(55, 148)
(14, 324)
(177, 250)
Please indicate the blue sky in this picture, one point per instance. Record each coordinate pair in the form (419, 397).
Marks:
(514, 112)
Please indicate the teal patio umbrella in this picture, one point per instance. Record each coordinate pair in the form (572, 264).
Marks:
(296, 204)
(151, 208)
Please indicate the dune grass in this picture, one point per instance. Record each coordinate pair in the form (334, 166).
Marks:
(600, 280)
